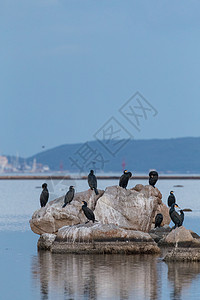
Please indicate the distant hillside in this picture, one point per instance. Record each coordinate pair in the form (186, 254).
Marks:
(179, 155)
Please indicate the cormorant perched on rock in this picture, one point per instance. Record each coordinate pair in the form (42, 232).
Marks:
(158, 220)
(171, 199)
(175, 217)
(88, 212)
(69, 196)
(44, 195)
(153, 177)
(123, 181)
(92, 181)
(182, 215)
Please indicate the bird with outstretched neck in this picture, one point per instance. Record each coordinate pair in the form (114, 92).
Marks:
(92, 181)
(44, 197)
(176, 218)
(123, 181)
(69, 196)
(171, 199)
(88, 213)
(153, 178)
(158, 220)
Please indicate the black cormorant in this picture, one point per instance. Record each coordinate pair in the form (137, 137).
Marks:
(44, 195)
(92, 181)
(158, 220)
(182, 215)
(171, 199)
(153, 177)
(123, 181)
(69, 196)
(175, 217)
(88, 212)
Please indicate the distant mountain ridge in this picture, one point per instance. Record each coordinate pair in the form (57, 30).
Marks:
(177, 155)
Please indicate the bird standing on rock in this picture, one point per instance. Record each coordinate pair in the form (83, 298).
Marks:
(158, 220)
(69, 196)
(171, 199)
(175, 217)
(44, 197)
(88, 212)
(92, 181)
(123, 181)
(153, 177)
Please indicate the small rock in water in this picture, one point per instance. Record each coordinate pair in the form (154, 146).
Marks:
(45, 241)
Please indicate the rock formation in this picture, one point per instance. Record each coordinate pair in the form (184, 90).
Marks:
(183, 254)
(159, 233)
(45, 241)
(183, 244)
(124, 218)
(180, 237)
(50, 218)
(131, 209)
(98, 238)
(161, 208)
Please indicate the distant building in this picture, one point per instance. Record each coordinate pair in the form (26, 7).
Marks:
(14, 165)
(38, 167)
(3, 163)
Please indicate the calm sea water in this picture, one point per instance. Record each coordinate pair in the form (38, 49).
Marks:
(27, 274)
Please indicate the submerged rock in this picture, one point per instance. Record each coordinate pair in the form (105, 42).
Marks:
(183, 254)
(101, 238)
(50, 218)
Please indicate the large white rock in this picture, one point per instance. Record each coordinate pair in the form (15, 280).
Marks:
(50, 218)
(130, 209)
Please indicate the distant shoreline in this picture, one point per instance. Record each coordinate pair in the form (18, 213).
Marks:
(67, 177)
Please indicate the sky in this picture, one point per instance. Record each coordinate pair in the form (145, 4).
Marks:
(71, 68)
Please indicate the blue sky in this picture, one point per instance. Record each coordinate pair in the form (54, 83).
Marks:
(68, 66)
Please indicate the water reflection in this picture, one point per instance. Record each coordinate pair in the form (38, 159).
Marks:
(70, 276)
(96, 276)
(180, 276)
